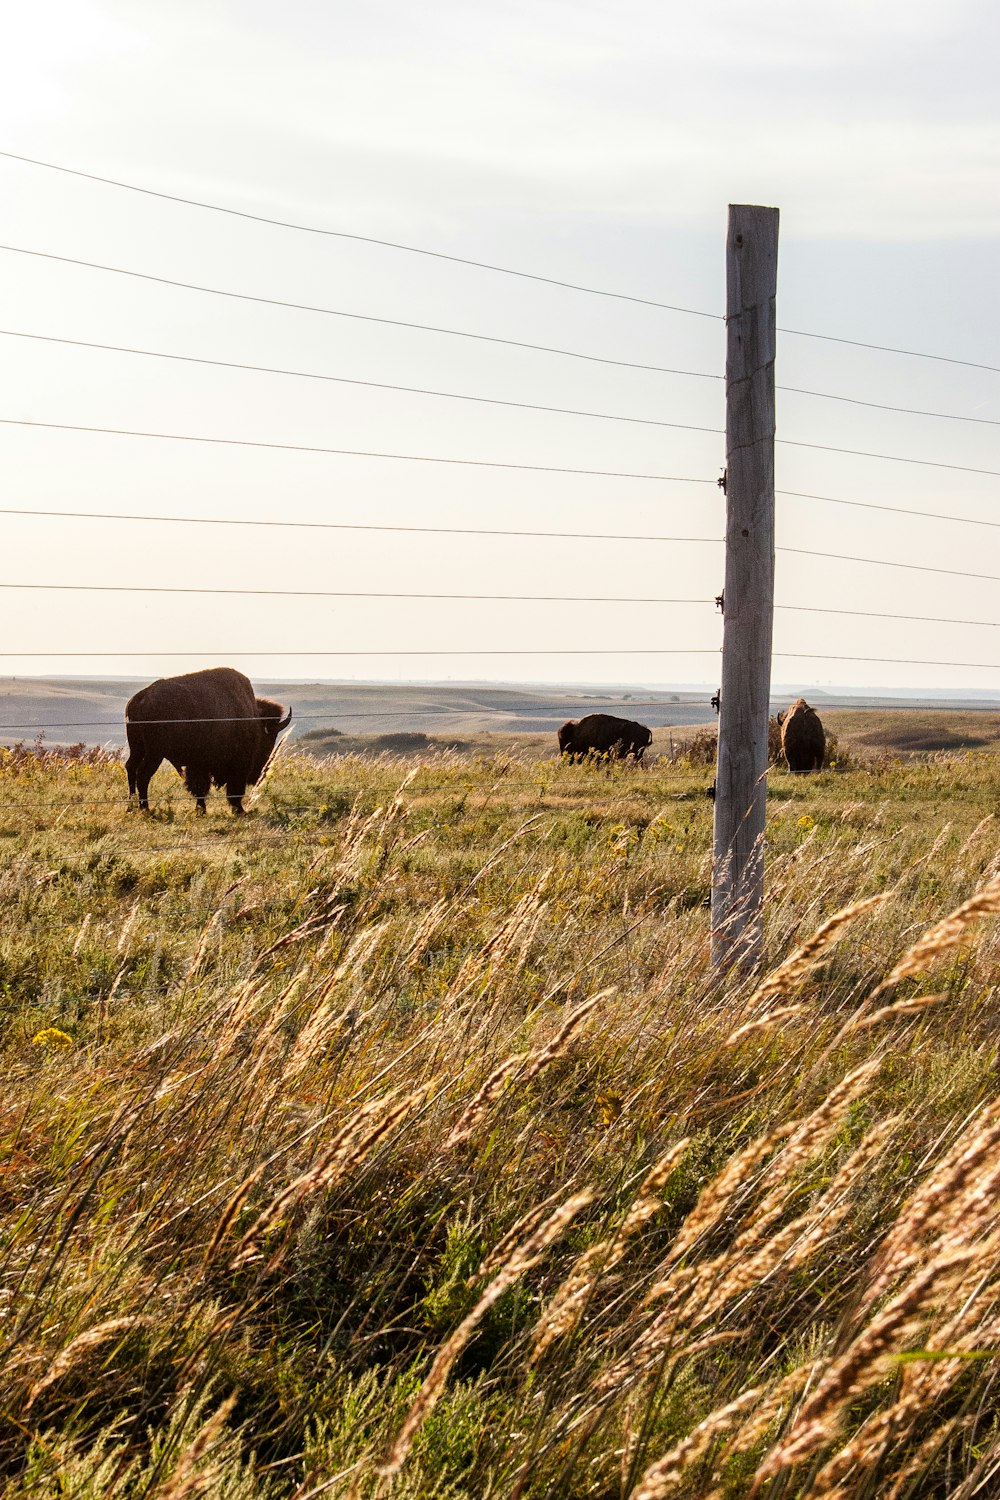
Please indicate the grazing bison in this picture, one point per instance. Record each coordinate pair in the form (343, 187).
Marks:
(209, 726)
(803, 742)
(603, 734)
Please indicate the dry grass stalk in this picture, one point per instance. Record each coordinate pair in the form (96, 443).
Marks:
(526, 1065)
(232, 1211)
(764, 1022)
(845, 1178)
(481, 1101)
(565, 1307)
(348, 1149)
(792, 1245)
(662, 1477)
(935, 1205)
(189, 1476)
(528, 1254)
(84, 928)
(714, 1199)
(800, 964)
(79, 1346)
(773, 1407)
(866, 1449)
(314, 1035)
(803, 1139)
(696, 1293)
(863, 1363)
(707, 1288)
(543, 1056)
(911, 1006)
(924, 1454)
(525, 1226)
(980, 827)
(946, 934)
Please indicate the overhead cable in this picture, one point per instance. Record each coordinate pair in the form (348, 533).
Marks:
(418, 458)
(378, 385)
(570, 705)
(899, 661)
(945, 359)
(466, 261)
(891, 458)
(878, 614)
(893, 510)
(145, 588)
(427, 328)
(294, 652)
(185, 437)
(335, 312)
(584, 536)
(597, 536)
(891, 562)
(363, 239)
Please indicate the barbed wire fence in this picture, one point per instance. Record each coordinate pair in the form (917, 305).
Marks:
(704, 608)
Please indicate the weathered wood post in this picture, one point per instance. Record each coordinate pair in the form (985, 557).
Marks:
(748, 600)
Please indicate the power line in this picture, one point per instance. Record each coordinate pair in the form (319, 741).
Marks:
(887, 562)
(363, 239)
(596, 536)
(133, 588)
(420, 458)
(587, 536)
(574, 651)
(335, 312)
(902, 661)
(909, 411)
(542, 711)
(871, 614)
(374, 385)
(184, 437)
(945, 359)
(477, 264)
(892, 458)
(451, 651)
(893, 510)
(141, 588)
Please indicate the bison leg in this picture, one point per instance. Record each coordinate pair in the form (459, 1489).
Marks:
(234, 792)
(141, 771)
(199, 783)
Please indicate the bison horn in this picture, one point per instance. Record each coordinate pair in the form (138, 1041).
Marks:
(284, 723)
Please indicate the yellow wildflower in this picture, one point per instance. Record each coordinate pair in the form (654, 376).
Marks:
(51, 1036)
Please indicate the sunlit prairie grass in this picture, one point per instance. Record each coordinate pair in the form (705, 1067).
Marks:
(399, 1140)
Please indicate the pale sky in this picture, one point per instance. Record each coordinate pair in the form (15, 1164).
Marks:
(593, 143)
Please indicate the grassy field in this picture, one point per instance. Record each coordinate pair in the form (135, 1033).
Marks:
(399, 1140)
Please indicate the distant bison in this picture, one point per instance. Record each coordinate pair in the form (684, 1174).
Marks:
(209, 726)
(603, 734)
(803, 742)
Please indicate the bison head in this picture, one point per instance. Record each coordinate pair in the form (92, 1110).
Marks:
(565, 736)
(273, 719)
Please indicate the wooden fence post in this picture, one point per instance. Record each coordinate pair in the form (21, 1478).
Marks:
(748, 599)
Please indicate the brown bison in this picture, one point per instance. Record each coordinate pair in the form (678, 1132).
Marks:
(603, 734)
(209, 726)
(803, 742)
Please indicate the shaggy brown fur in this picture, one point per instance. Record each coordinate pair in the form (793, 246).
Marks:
(803, 742)
(209, 726)
(603, 734)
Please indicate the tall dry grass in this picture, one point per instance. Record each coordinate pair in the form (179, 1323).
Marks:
(401, 1142)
